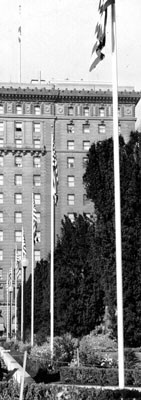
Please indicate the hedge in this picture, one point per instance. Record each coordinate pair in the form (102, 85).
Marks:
(98, 376)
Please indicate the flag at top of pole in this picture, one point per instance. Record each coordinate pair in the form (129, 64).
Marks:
(23, 245)
(100, 34)
(55, 175)
(34, 221)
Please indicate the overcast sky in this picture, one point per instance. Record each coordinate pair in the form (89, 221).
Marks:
(57, 39)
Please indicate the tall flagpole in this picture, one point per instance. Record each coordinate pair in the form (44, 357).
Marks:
(20, 42)
(22, 290)
(117, 203)
(16, 293)
(32, 283)
(52, 253)
(7, 331)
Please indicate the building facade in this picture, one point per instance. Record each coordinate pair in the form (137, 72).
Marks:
(80, 114)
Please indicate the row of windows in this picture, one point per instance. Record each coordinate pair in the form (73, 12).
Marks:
(37, 110)
(19, 254)
(72, 216)
(18, 180)
(19, 126)
(18, 236)
(18, 198)
(37, 162)
(19, 143)
(18, 218)
(71, 199)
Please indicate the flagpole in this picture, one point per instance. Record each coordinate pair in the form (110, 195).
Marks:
(22, 290)
(20, 42)
(32, 283)
(52, 254)
(117, 203)
(7, 332)
(16, 293)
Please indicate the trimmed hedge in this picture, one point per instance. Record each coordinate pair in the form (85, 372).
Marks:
(9, 390)
(98, 376)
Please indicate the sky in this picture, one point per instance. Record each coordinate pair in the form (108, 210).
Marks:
(57, 39)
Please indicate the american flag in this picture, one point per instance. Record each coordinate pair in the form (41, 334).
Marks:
(34, 221)
(19, 34)
(100, 33)
(17, 265)
(55, 175)
(23, 245)
(10, 277)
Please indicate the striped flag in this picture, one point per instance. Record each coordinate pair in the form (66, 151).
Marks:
(55, 175)
(23, 245)
(17, 266)
(34, 221)
(19, 34)
(100, 34)
(10, 277)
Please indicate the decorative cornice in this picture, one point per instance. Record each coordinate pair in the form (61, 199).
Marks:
(23, 151)
(60, 96)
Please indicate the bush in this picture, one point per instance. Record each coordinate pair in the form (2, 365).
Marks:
(9, 390)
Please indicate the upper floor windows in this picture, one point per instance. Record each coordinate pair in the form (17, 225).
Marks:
(1, 179)
(70, 199)
(1, 255)
(37, 127)
(1, 108)
(37, 255)
(18, 126)
(18, 217)
(37, 143)
(1, 198)
(86, 111)
(36, 162)
(18, 161)
(18, 198)
(18, 236)
(85, 160)
(102, 112)
(101, 128)
(86, 145)
(70, 110)
(86, 128)
(70, 144)
(37, 198)
(18, 180)
(37, 110)
(1, 161)
(19, 109)
(1, 217)
(70, 128)
(1, 126)
(70, 181)
(36, 180)
(70, 162)
(18, 143)
(1, 142)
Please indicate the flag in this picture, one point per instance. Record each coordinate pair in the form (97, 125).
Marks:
(55, 175)
(100, 34)
(23, 245)
(19, 34)
(17, 266)
(10, 277)
(34, 221)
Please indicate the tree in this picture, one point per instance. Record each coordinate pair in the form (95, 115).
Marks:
(99, 184)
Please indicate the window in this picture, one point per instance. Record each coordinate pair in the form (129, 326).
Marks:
(1, 255)
(70, 162)
(70, 199)
(1, 142)
(1, 161)
(70, 128)
(1, 109)
(1, 126)
(70, 181)
(18, 180)
(19, 109)
(36, 162)
(86, 128)
(18, 236)
(18, 161)
(18, 217)
(37, 110)
(1, 236)
(38, 237)
(37, 127)
(1, 180)
(86, 145)
(37, 198)
(70, 110)
(1, 217)
(37, 143)
(101, 129)
(119, 129)
(101, 112)
(36, 180)
(86, 111)
(85, 160)
(70, 144)
(18, 143)
(37, 255)
(71, 216)
(18, 126)
(1, 273)
(1, 198)
(18, 198)
(38, 216)
(1, 292)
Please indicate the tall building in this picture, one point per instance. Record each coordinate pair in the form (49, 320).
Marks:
(80, 114)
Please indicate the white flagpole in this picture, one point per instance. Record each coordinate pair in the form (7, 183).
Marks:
(32, 284)
(117, 204)
(16, 293)
(52, 253)
(20, 42)
(7, 331)
(22, 290)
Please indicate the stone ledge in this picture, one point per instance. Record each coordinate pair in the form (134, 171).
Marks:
(11, 364)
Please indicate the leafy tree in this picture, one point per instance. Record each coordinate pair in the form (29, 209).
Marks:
(99, 184)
